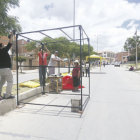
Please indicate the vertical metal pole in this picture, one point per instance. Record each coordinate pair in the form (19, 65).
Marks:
(12, 53)
(89, 64)
(43, 69)
(81, 68)
(17, 67)
(136, 52)
(136, 56)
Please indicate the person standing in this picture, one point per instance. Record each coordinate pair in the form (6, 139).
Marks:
(5, 69)
(104, 64)
(87, 69)
(53, 62)
(83, 69)
(42, 65)
(76, 76)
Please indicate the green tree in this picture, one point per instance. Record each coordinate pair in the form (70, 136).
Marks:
(21, 59)
(63, 46)
(8, 23)
(130, 45)
(66, 48)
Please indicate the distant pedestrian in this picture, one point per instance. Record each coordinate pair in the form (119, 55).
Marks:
(87, 69)
(5, 69)
(104, 64)
(83, 70)
(131, 68)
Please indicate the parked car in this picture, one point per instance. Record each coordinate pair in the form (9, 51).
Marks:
(117, 64)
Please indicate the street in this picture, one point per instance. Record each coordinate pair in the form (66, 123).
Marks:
(27, 75)
(112, 112)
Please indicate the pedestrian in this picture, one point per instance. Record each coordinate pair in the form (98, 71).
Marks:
(87, 69)
(5, 69)
(54, 59)
(104, 64)
(83, 70)
(131, 68)
(76, 75)
(42, 64)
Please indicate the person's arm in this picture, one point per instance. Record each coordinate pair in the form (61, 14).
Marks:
(10, 42)
(56, 59)
(48, 52)
(11, 38)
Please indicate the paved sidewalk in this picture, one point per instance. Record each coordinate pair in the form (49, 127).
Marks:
(111, 114)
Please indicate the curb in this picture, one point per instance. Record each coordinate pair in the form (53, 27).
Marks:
(8, 105)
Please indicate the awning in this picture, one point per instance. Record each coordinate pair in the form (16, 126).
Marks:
(94, 56)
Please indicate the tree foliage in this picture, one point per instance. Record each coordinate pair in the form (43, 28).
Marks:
(8, 23)
(130, 45)
(21, 59)
(65, 48)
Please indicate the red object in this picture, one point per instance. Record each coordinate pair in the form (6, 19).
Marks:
(67, 83)
(42, 60)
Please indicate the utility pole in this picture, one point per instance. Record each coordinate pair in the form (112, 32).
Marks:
(97, 43)
(98, 37)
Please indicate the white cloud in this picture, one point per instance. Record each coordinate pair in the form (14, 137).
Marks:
(98, 17)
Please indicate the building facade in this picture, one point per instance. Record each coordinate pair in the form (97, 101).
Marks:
(122, 57)
(109, 56)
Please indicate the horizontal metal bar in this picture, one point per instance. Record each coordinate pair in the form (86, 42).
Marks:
(46, 66)
(72, 40)
(48, 29)
(66, 93)
(30, 39)
(48, 105)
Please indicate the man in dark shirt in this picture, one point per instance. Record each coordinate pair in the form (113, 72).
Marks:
(5, 69)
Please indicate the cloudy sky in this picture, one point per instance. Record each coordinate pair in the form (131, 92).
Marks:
(108, 23)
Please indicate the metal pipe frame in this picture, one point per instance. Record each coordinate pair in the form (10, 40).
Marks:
(65, 34)
(17, 68)
(46, 35)
(81, 30)
(54, 29)
(49, 105)
(72, 40)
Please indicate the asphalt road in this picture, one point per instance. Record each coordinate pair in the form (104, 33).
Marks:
(111, 114)
(30, 75)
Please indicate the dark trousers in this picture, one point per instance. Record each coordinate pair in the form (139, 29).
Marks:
(42, 75)
(87, 72)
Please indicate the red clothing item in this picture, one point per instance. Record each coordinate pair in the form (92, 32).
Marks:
(42, 60)
(75, 71)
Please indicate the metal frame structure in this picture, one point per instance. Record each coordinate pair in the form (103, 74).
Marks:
(81, 40)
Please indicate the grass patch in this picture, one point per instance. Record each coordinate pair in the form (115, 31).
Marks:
(14, 89)
(21, 89)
